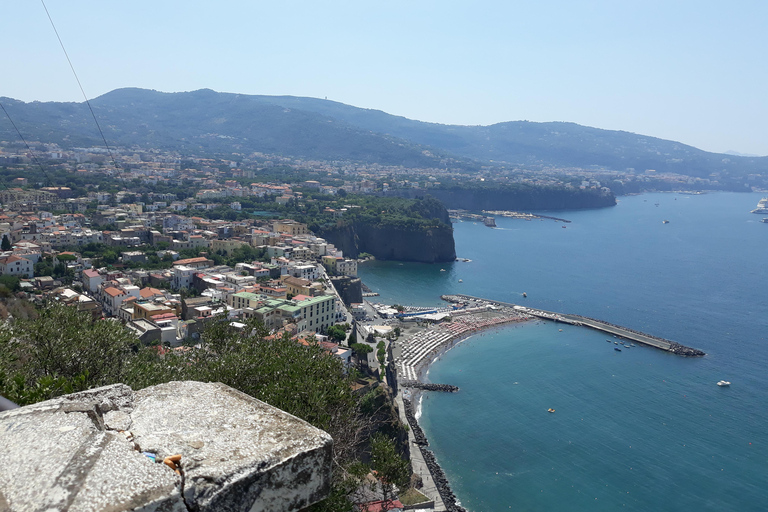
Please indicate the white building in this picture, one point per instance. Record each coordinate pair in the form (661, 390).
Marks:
(182, 277)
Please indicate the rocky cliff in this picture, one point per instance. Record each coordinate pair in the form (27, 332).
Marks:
(519, 198)
(394, 242)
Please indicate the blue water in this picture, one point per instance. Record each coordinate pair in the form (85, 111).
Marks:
(636, 430)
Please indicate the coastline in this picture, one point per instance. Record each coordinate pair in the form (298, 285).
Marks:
(413, 355)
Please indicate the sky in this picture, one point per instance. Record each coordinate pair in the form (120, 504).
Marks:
(690, 71)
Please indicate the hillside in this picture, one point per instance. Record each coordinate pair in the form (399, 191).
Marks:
(557, 144)
(207, 121)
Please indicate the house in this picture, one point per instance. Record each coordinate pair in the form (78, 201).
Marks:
(16, 266)
(113, 299)
(200, 262)
(91, 280)
(182, 277)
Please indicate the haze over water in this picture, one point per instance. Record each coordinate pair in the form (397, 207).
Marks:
(638, 429)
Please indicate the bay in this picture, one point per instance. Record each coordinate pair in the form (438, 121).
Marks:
(637, 430)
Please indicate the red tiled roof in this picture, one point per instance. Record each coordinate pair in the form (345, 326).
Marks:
(113, 292)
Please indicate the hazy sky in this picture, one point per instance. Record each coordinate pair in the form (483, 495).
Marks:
(692, 71)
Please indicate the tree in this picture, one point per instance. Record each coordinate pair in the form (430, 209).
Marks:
(391, 469)
(361, 351)
(6, 243)
(336, 333)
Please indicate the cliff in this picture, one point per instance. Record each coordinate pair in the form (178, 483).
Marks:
(519, 197)
(394, 242)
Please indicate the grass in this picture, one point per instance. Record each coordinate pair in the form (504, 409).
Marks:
(412, 497)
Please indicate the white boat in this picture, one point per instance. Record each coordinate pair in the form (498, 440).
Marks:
(723, 383)
(762, 206)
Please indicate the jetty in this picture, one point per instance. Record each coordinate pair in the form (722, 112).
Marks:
(599, 325)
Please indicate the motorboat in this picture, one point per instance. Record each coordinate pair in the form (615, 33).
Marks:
(617, 349)
(550, 410)
(723, 383)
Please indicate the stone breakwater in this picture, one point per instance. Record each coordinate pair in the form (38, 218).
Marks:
(674, 347)
(438, 476)
(429, 387)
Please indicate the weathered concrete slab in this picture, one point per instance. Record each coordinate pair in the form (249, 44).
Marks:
(82, 452)
(235, 450)
(57, 455)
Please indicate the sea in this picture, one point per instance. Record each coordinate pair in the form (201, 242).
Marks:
(639, 429)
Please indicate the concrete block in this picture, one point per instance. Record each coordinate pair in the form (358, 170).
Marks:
(83, 452)
(238, 453)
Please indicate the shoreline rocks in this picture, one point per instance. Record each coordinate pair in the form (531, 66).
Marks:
(438, 476)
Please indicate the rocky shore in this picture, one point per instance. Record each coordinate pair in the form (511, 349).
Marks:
(441, 481)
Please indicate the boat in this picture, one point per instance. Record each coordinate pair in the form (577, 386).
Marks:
(762, 206)
(461, 280)
(764, 219)
(631, 344)
(608, 341)
(525, 294)
(615, 342)
(550, 410)
(665, 222)
(617, 349)
(723, 383)
(489, 221)
(442, 270)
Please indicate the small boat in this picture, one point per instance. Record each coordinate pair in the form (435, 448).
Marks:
(442, 270)
(550, 410)
(525, 294)
(608, 341)
(461, 280)
(617, 349)
(615, 342)
(562, 227)
(631, 344)
(723, 383)
(665, 222)
(559, 330)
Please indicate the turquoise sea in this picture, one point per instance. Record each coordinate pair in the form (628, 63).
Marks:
(633, 430)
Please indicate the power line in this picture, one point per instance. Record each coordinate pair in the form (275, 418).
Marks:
(87, 102)
(26, 144)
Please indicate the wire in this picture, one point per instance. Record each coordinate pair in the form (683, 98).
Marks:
(50, 183)
(87, 102)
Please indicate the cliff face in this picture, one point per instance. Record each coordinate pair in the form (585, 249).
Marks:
(387, 242)
(520, 199)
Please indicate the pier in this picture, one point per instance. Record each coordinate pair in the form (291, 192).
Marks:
(599, 325)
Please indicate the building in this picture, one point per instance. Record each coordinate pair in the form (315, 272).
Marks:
(182, 276)
(16, 266)
(92, 280)
(291, 227)
(200, 262)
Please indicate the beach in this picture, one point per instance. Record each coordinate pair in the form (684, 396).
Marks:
(414, 352)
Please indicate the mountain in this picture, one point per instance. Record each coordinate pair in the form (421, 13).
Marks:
(205, 120)
(557, 144)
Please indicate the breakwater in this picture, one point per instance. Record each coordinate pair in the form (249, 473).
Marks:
(427, 386)
(438, 475)
(578, 320)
